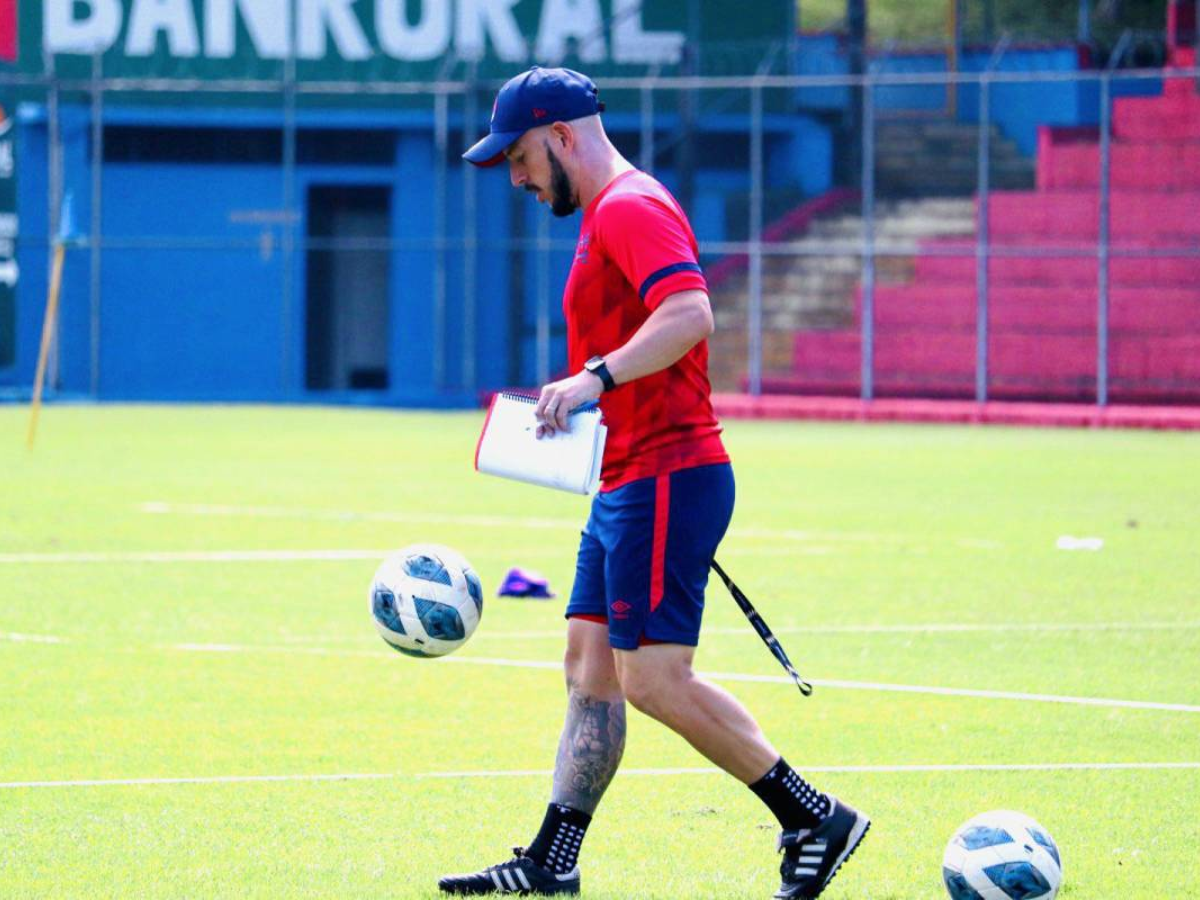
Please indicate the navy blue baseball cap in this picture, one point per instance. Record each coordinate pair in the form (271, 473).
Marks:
(537, 97)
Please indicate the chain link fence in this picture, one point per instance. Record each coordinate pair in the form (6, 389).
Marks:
(1041, 242)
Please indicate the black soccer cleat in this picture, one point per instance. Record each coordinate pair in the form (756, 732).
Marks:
(811, 857)
(520, 875)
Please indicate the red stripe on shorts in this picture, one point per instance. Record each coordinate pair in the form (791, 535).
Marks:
(662, 509)
(588, 617)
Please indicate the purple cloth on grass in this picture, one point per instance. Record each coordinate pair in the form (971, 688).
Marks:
(524, 583)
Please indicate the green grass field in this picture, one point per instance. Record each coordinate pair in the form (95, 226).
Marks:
(915, 556)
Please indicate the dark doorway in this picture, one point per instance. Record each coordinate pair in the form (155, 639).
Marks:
(347, 268)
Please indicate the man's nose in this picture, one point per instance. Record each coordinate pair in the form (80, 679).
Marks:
(516, 176)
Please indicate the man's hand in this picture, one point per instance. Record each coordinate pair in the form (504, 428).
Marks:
(558, 398)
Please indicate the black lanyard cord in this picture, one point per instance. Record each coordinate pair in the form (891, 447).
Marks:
(763, 630)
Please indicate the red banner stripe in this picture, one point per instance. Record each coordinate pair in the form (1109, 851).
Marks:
(8, 30)
(662, 509)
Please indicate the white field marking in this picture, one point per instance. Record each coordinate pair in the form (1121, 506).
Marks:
(158, 507)
(877, 686)
(295, 641)
(30, 638)
(333, 515)
(930, 628)
(625, 772)
(950, 767)
(733, 676)
(224, 556)
(745, 630)
(216, 779)
(247, 648)
(197, 556)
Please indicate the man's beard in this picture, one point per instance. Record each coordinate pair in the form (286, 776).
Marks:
(561, 202)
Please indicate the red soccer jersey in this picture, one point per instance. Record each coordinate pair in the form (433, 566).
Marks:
(635, 250)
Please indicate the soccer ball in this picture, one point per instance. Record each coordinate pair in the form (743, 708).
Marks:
(1002, 855)
(426, 600)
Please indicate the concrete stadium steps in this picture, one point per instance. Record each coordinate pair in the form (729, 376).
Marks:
(928, 157)
(1036, 310)
(1075, 216)
(1145, 271)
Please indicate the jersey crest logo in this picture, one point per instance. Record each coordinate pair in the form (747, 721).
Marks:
(581, 249)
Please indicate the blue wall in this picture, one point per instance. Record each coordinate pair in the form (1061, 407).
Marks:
(195, 303)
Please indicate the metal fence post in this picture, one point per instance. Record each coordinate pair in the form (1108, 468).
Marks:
(543, 299)
(288, 235)
(54, 197)
(755, 323)
(470, 236)
(982, 246)
(646, 150)
(96, 219)
(1102, 244)
(441, 141)
(868, 250)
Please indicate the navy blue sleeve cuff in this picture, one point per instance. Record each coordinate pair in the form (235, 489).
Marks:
(665, 272)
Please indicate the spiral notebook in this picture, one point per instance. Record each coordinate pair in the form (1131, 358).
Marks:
(510, 448)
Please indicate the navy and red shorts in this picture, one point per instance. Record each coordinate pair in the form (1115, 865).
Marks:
(645, 553)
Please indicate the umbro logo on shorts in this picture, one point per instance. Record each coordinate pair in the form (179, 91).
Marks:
(620, 609)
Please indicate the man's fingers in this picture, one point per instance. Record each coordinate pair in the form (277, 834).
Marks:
(546, 412)
(560, 417)
(539, 411)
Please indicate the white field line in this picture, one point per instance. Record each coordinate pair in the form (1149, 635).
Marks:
(654, 773)
(880, 686)
(837, 684)
(30, 638)
(217, 779)
(904, 628)
(732, 676)
(928, 628)
(947, 767)
(158, 507)
(173, 556)
(721, 631)
(333, 515)
(259, 556)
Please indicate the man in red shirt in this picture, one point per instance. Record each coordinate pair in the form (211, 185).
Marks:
(638, 316)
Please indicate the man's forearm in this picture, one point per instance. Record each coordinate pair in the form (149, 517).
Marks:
(675, 327)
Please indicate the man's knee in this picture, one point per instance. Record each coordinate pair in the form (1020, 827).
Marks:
(654, 690)
(588, 663)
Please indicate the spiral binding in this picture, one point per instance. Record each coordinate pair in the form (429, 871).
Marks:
(591, 407)
(513, 395)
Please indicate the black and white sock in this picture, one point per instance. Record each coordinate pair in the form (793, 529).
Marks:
(795, 802)
(556, 846)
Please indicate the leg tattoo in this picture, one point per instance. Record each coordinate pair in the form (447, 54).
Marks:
(589, 751)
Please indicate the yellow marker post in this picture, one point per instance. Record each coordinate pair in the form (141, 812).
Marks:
(51, 317)
(60, 252)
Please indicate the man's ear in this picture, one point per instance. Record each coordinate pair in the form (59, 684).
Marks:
(562, 136)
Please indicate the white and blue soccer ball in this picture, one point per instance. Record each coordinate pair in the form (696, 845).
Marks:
(1002, 855)
(426, 600)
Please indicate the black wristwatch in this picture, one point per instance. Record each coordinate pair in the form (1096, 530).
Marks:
(598, 367)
